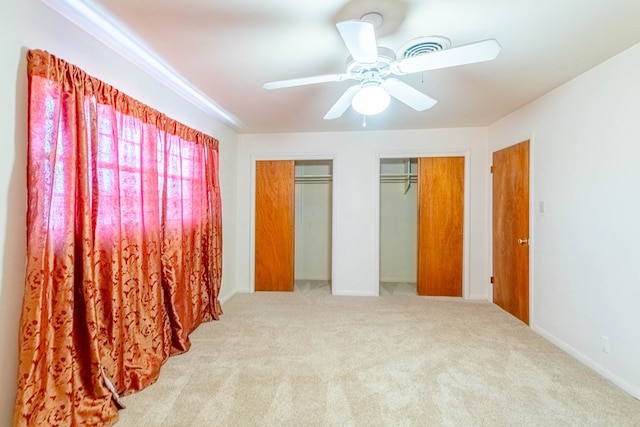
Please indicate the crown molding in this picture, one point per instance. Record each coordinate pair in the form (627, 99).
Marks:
(106, 28)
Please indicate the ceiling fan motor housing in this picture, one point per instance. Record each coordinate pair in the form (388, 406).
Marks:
(382, 66)
(371, 77)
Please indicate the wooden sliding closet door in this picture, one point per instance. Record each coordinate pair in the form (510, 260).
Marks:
(274, 245)
(440, 225)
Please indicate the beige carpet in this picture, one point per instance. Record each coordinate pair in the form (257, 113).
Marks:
(311, 359)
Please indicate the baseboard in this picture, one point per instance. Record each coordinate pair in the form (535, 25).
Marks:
(355, 294)
(597, 367)
(228, 297)
(478, 298)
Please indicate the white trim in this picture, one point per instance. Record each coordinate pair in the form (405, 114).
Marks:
(355, 294)
(532, 221)
(478, 298)
(489, 223)
(599, 368)
(103, 26)
(394, 154)
(228, 297)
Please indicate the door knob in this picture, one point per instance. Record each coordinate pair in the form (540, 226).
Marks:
(523, 241)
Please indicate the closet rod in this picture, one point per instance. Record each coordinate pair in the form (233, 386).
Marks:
(398, 175)
(398, 179)
(313, 178)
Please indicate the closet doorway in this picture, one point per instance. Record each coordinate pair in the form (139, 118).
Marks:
(398, 226)
(421, 225)
(293, 225)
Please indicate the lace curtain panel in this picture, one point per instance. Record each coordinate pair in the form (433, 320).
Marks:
(124, 245)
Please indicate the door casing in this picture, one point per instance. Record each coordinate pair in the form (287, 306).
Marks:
(255, 157)
(394, 154)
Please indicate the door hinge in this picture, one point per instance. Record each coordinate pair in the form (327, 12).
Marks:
(491, 169)
(492, 279)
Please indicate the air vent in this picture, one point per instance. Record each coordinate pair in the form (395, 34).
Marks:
(422, 45)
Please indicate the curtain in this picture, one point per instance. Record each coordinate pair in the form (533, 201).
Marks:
(123, 245)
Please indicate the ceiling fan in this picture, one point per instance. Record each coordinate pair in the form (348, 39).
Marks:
(371, 66)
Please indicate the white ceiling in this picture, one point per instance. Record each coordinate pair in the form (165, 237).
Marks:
(229, 48)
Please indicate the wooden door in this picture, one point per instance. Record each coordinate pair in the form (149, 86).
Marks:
(440, 225)
(511, 230)
(274, 245)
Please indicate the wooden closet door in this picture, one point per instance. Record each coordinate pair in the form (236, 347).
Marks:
(274, 245)
(440, 225)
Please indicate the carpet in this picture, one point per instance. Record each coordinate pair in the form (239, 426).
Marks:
(308, 358)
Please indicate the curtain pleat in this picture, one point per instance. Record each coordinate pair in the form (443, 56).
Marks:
(123, 245)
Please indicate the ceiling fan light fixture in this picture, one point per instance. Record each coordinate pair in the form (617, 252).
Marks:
(371, 99)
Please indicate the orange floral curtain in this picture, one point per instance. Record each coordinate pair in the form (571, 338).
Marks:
(123, 245)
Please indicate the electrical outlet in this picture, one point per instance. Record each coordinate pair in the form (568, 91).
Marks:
(604, 344)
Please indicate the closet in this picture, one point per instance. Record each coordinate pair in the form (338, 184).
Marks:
(398, 224)
(422, 220)
(293, 205)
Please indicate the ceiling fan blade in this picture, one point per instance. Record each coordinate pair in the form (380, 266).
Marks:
(485, 50)
(342, 103)
(407, 94)
(306, 81)
(360, 38)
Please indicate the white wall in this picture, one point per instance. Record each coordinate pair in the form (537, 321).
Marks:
(356, 157)
(27, 24)
(586, 256)
(228, 148)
